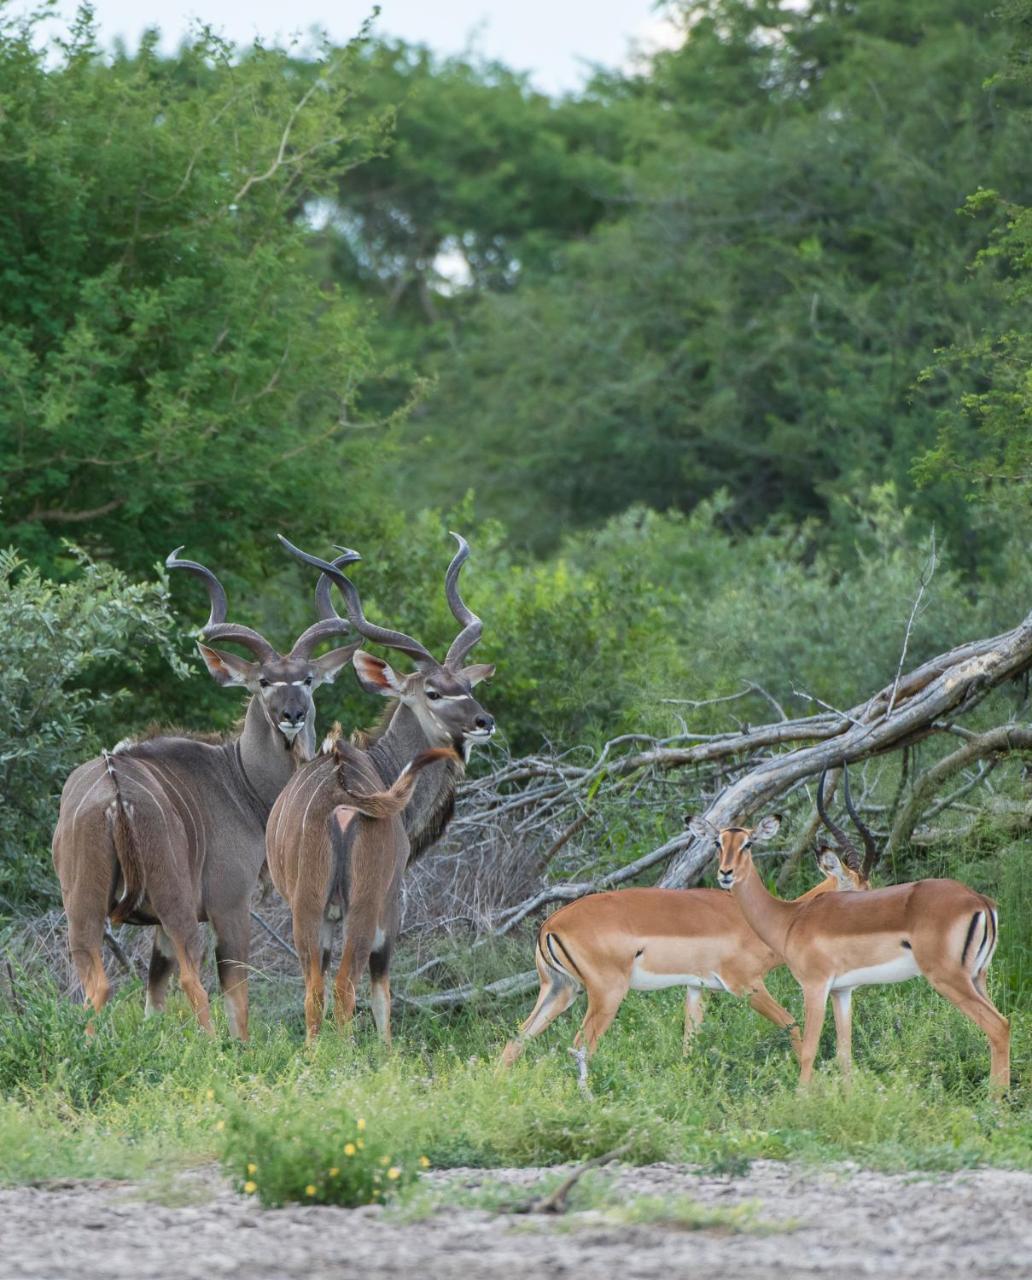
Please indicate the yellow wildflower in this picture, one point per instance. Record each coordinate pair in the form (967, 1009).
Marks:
(334, 1172)
(424, 1162)
(250, 1187)
(361, 1125)
(252, 1168)
(385, 1159)
(309, 1190)
(394, 1173)
(349, 1148)
(210, 1095)
(219, 1125)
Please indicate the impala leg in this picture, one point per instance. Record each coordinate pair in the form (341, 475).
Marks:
(842, 1007)
(764, 1003)
(693, 1015)
(554, 998)
(380, 993)
(963, 993)
(815, 1002)
(162, 962)
(602, 1007)
(232, 951)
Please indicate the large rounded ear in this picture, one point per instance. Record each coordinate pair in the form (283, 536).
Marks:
(766, 829)
(701, 828)
(377, 676)
(477, 672)
(227, 668)
(326, 669)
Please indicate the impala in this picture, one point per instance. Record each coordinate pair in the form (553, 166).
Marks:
(940, 929)
(170, 830)
(330, 855)
(645, 939)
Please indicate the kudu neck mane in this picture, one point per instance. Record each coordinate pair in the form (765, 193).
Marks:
(397, 739)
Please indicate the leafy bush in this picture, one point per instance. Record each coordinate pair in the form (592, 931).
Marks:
(310, 1151)
(59, 641)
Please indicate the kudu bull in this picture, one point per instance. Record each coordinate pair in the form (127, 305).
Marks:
(345, 826)
(170, 830)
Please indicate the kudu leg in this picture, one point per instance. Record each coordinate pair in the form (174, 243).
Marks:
(352, 963)
(308, 943)
(162, 962)
(380, 993)
(84, 942)
(232, 952)
(185, 936)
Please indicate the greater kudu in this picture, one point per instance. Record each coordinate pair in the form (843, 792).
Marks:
(170, 830)
(330, 854)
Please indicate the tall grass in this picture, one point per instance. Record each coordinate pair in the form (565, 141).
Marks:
(143, 1094)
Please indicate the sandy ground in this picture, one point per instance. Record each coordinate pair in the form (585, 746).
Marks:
(840, 1222)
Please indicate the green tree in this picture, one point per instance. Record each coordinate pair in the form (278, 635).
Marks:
(170, 368)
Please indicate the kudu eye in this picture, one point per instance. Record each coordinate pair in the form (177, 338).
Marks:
(433, 695)
(263, 683)
(308, 681)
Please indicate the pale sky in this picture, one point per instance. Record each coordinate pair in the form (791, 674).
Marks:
(555, 40)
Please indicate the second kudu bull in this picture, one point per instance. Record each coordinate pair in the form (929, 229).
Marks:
(344, 829)
(170, 830)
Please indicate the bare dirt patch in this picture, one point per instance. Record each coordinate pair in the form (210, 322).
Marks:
(838, 1222)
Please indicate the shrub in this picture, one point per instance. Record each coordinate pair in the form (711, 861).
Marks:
(309, 1151)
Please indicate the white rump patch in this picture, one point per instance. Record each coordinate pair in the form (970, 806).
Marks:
(898, 970)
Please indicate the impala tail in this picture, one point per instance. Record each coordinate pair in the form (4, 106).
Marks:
(980, 939)
(556, 957)
(385, 804)
(127, 851)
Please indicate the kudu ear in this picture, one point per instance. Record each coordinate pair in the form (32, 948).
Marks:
(377, 676)
(477, 672)
(227, 668)
(701, 828)
(327, 668)
(767, 828)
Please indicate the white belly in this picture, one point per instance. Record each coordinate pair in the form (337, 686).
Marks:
(643, 979)
(898, 970)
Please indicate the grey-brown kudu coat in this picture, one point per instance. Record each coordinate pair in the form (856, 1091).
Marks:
(345, 827)
(170, 831)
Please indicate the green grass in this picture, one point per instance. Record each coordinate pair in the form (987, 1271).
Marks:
(143, 1096)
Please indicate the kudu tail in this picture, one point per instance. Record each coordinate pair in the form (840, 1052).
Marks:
(385, 804)
(127, 851)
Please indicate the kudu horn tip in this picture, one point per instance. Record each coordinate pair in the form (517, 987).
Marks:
(349, 552)
(172, 557)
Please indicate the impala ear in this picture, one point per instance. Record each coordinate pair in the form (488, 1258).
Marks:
(227, 668)
(377, 676)
(477, 672)
(701, 828)
(767, 828)
(327, 668)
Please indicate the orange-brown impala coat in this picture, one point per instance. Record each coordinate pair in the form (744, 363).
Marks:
(647, 939)
(940, 929)
(344, 829)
